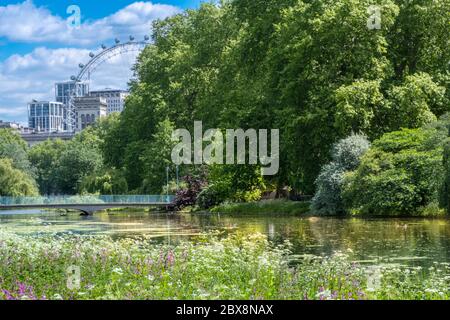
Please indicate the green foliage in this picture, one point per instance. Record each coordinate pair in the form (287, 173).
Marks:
(444, 194)
(346, 156)
(213, 194)
(156, 158)
(108, 182)
(417, 101)
(360, 107)
(80, 158)
(311, 69)
(400, 175)
(45, 158)
(237, 182)
(14, 182)
(13, 147)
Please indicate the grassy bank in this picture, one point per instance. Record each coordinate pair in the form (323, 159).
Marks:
(264, 207)
(232, 268)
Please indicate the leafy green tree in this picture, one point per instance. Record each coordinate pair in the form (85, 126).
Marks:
(14, 182)
(80, 158)
(112, 182)
(156, 158)
(237, 182)
(361, 107)
(12, 146)
(45, 157)
(417, 101)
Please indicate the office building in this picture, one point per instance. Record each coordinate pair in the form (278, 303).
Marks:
(64, 89)
(115, 99)
(88, 110)
(46, 116)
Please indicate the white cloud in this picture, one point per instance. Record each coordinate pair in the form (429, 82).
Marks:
(26, 22)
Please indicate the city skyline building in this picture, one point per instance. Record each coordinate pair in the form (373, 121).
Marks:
(46, 116)
(115, 98)
(64, 88)
(52, 116)
(87, 110)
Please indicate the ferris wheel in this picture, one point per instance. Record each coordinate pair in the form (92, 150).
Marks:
(86, 70)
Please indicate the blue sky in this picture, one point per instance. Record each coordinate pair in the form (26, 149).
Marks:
(37, 48)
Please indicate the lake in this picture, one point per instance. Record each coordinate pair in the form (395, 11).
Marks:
(418, 242)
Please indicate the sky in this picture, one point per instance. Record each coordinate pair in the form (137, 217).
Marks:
(39, 47)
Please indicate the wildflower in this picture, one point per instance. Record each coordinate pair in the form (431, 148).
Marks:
(117, 270)
(8, 295)
(170, 258)
(323, 294)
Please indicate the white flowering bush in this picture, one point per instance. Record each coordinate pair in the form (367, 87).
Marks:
(346, 155)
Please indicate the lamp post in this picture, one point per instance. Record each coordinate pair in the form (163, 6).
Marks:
(167, 184)
(177, 176)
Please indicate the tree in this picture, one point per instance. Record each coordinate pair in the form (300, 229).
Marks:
(80, 158)
(12, 146)
(110, 181)
(14, 182)
(45, 157)
(417, 101)
(156, 158)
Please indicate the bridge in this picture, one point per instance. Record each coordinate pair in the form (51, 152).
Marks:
(87, 205)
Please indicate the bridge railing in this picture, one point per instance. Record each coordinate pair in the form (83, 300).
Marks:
(89, 199)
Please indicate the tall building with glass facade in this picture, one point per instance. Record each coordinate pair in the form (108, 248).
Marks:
(63, 90)
(46, 116)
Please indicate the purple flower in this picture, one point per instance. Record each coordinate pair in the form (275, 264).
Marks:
(170, 258)
(8, 295)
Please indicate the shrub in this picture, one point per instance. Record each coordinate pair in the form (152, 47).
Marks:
(187, 196)
(346, 155)
(444, 195)
(213, 194)
(398, 176)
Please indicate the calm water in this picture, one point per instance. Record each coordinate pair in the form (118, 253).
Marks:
(402, 241)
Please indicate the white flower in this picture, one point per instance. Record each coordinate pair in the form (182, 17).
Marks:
(117, 270)
(430, 290)
(324, 294)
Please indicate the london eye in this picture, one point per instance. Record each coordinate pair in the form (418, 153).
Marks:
(96, 60)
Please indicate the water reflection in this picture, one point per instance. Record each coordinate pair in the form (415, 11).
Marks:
(406, 241)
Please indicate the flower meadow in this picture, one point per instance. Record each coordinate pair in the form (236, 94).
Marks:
(236, 267)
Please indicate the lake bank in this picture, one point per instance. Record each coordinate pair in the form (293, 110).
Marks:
(282, 206)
